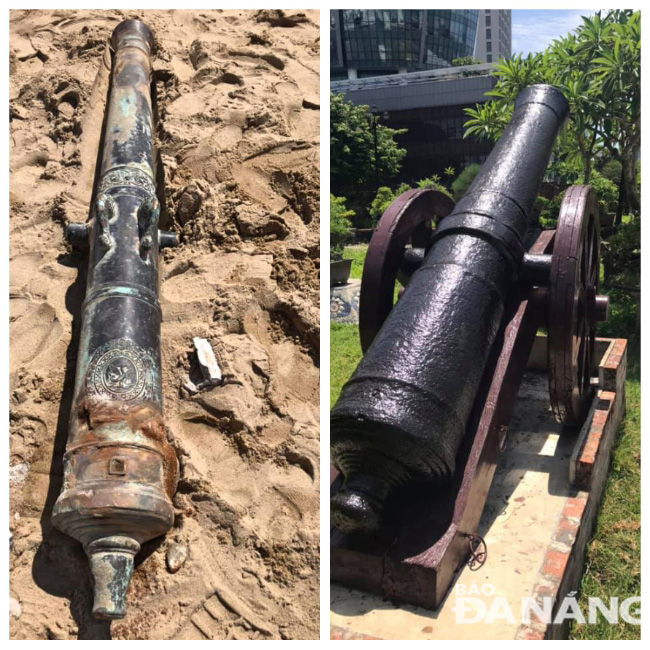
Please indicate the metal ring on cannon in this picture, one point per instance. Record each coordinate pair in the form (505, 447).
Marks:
(406, 220)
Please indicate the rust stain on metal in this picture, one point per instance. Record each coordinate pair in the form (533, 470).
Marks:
(143, 424)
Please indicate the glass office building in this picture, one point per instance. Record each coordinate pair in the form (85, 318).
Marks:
(373, 42)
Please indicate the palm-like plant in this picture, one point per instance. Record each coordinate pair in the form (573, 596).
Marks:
(487, 121)
(598, 68)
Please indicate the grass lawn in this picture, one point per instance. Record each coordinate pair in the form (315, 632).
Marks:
(358, 254)
(613, 558)
(345, 352)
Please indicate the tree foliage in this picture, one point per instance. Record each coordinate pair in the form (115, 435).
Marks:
(352, 147)
(598, 68)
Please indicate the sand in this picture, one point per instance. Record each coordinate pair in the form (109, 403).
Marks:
(237, 104)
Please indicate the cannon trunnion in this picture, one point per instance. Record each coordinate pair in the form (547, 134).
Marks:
(416, 432)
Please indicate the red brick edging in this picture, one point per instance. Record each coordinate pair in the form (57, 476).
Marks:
(562, 567)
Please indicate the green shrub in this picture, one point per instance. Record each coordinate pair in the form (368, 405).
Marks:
(541, 205)
(622, 255)
(606, 192)
(360, 146)
(384, 197)
(339, 225)
(550, 209)
(434, 183)
(612, 170)
(464, 180)
(465, 60)
(623, 319)
(563, 173)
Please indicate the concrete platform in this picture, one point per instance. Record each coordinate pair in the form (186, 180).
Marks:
(539, 515)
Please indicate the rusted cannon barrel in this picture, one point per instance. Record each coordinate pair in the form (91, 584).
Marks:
(119, 470)
(402, 415)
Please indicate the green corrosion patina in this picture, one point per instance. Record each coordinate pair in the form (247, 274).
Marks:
(111, 563)
(128, 108)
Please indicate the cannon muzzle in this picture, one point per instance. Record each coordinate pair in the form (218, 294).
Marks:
(402, 416)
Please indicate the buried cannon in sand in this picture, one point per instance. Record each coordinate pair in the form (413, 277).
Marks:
(119, 470)
(417, 430)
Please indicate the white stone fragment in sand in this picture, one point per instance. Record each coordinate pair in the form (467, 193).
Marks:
(15, 609)
(207, 361)
(17, 473)
(176, 556)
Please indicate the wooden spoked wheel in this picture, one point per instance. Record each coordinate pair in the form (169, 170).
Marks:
(407, 220)
(574, 306)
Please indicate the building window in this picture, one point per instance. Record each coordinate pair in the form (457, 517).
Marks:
(488, 21)
(489, 58)
(488, 33)
(488, 46)
(391, 39)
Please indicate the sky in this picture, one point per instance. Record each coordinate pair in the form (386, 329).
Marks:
(535, 30)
